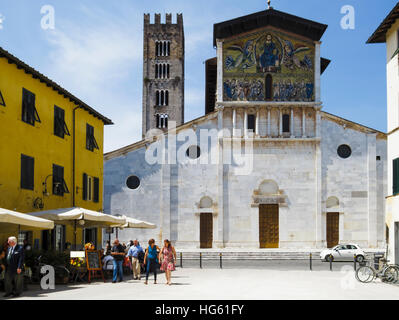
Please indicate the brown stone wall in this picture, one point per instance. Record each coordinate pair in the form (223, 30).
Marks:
(173, 32)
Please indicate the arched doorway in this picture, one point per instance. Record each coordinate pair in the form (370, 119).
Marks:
(269, 216)
(206, 223)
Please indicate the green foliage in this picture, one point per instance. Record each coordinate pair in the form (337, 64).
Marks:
(52, 258)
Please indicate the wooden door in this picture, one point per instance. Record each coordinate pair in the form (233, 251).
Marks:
(206, 230)
(332, 229)
(268, 226)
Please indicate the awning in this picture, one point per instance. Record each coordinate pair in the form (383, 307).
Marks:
(86, 218)
(11, 219)
(135, 223)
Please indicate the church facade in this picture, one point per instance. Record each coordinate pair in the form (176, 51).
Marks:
(265, 167)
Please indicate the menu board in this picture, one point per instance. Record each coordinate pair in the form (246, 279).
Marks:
(93, 261)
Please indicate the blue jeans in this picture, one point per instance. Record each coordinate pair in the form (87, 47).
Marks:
(118, 270)
(151, 266)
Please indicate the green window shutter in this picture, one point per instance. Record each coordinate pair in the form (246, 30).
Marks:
(84, 186)
(2, 102)
(27, 172)
(29, 112)
(58, 179)
(96, 196)
(395, 176)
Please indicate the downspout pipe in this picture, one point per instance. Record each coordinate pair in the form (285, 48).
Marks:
(74, 157)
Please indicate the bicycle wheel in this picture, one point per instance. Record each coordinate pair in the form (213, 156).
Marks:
(365, 274)
(390, 274)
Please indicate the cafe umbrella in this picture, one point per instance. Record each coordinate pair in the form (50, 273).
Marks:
(80, 217)
(12, 221)
(133, 223)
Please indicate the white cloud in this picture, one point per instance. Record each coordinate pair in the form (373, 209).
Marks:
(93, 56)
(2, 18)
(97, 63)
(127, 130)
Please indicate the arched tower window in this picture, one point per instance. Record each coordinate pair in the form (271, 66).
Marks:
(157, 98)
(269, 87)
(162, 98)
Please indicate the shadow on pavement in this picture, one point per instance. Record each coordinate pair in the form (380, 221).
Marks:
(35, 291)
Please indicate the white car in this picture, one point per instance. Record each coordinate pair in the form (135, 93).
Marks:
(343, 252)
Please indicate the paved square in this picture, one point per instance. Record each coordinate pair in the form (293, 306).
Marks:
(241, 284)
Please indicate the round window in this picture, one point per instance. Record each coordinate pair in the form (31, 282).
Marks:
(344, 151)
(193, 152)
(133, 182)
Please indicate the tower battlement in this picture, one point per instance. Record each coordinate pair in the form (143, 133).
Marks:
(168, 19)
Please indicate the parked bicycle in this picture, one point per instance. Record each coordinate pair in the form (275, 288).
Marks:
(387, 273)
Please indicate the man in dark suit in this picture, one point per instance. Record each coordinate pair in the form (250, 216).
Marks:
(14, 262)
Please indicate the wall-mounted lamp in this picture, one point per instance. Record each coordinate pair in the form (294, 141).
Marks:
(56, 184)
(38, 203)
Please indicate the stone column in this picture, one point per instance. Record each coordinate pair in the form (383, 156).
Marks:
(318, 123)
(219, 85)
(165, 227)
(245, 123)
(317, 71)
(219, 236)
(280, 123)
(234, 121)
(318, 198)
(303, 122)
(257, 123)
(269, 131)
(292, 123)
(372, 189)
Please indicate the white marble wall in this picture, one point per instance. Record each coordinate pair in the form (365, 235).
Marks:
(169, 195)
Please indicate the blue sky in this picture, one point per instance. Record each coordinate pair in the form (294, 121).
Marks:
(95, 52)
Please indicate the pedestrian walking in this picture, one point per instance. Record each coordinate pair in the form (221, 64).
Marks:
(134, 251)
(167, 257)
(151, 260)
(118, 253)
(14, 263)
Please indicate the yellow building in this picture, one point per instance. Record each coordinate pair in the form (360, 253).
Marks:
(51, 151)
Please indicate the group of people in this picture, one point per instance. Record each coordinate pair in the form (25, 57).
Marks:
(152, 257)
(12, 262)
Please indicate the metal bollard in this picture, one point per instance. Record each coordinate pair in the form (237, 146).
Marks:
(221, 265)
(331, 260)
(354, 261)
(310, 260)
(200, 260)
(181, 259)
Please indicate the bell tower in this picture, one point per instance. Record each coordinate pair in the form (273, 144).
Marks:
(163, 73)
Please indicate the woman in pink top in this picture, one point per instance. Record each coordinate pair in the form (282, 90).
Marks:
(167, 256)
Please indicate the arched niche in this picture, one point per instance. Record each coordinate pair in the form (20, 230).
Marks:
(332, 202)
(268, 187)
(268, 192)
(205, 202)
(206, 205)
